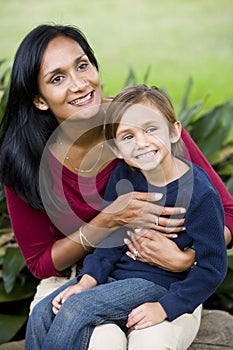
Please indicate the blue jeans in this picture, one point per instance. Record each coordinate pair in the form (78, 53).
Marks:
(72, 327)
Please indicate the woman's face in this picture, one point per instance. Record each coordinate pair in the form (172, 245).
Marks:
(69, 84)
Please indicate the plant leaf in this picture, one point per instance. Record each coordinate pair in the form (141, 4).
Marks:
(20, 291)
(13, 263)
(10, 325)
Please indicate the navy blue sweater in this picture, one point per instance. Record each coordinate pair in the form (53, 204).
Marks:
(204, 222)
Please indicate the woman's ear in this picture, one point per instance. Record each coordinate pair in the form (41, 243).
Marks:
(176, 132)
(40, 103)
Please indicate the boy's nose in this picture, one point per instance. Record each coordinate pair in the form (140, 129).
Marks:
(142, 141)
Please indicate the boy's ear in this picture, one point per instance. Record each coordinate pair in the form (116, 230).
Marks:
(116, 151)
(176, 132)
(40, 103)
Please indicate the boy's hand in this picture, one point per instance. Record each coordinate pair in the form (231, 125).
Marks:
(85, 283)
(146, 315)
(65, 294)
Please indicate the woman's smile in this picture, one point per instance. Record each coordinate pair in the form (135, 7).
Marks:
(83, 100)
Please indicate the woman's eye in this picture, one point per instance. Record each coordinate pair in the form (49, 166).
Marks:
(57, 79)
(82, 66)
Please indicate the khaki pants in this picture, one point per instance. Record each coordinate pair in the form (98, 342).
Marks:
(175, 335)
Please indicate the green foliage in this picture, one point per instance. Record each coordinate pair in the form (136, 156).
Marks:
(131, 78)
(10, 325)
(17, 287)
(15, 304)
(4, 86)
(13, 263)
(213, 133)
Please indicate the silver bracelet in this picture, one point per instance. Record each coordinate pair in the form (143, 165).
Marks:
(84, 238)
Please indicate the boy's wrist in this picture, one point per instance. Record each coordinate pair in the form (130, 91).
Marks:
(87, 282)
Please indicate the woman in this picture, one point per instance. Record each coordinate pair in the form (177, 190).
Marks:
(55, 82)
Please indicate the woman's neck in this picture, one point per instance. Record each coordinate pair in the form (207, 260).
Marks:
(82, 139)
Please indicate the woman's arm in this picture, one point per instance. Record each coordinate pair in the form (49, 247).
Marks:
(48, 252)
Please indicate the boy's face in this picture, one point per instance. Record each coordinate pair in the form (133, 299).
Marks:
(143, 138)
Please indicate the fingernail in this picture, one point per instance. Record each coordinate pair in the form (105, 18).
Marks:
(183, 210)
(137, 230)
(157, 196)
(126, 241)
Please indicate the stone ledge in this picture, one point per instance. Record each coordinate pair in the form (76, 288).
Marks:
(216, 333)
(15, 345)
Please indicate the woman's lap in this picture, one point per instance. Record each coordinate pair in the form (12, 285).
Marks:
(178, 334)
(175, 335)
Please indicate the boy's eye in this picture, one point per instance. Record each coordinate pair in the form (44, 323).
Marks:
(127, 137)
(151, 130)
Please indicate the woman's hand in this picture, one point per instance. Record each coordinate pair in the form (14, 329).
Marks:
(156, 249)
(138, 209)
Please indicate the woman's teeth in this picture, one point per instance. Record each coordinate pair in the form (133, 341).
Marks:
(81, 100)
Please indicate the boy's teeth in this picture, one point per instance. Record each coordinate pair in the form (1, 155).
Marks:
(145, 155)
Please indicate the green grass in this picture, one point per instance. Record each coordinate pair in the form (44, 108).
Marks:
(178, 38)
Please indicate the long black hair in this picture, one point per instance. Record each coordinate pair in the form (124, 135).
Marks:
(25, 129)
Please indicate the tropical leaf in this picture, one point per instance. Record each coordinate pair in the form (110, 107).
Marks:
(13, 263)
(22, 290)
(10, 325)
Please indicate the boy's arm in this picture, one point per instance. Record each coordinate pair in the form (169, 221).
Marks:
(211, 268)
(197, 157)
(87, 282)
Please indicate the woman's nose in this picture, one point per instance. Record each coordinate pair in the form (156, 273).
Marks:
(78, 84)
